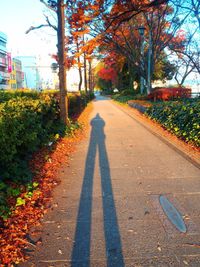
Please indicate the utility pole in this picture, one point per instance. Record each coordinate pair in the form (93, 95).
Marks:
(61, 61)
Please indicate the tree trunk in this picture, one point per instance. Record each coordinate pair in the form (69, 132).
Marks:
(90, 75)
(131, 76)
(61, 62)
(85, 67)
(92, 80)
(79, 68)
(80, 76)
(85, 71)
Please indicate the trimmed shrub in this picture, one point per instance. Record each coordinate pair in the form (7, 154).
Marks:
(78, 101)
(122, 99)
(25, 125)
(29, 120)
(6, 95)
(127, 92)
(127, 95)
(169, 93)
(182, 118)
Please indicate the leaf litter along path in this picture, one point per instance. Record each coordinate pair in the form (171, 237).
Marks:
(14, 233)
(106, 211)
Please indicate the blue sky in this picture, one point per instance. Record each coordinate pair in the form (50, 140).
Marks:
(16, 16)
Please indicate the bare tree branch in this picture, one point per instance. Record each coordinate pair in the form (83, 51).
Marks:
(135, 10)
(50, 24)
(36, 27)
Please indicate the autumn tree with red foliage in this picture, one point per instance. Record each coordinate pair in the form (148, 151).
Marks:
(107, 74)
(81, 15)
(80, 19)
(123, 37)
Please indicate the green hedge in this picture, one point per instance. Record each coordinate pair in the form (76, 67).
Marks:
(77, 101)
(182, 118)
(28, 120)
(127, 95)
(25, 125)
(6, 95)
(122, 98)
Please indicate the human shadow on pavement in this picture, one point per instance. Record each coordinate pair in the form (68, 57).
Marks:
(82, 241)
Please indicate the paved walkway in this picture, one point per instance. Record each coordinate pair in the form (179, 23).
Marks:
(106, 211)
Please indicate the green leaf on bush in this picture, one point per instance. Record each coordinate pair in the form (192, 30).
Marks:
(14, 192)
(179, 117)
(20, 201)
(2, 185)
(28, 195)
(35, 184)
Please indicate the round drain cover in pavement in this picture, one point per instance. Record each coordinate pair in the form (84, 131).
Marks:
(173, 215)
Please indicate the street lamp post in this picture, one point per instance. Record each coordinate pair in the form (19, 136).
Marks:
(141, 30)
(149, 64)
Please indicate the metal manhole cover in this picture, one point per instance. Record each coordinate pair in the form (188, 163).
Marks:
(173, 215)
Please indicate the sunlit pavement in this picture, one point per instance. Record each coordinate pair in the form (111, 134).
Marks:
(106, 211)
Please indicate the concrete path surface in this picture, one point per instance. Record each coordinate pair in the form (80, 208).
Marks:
(106, 211)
